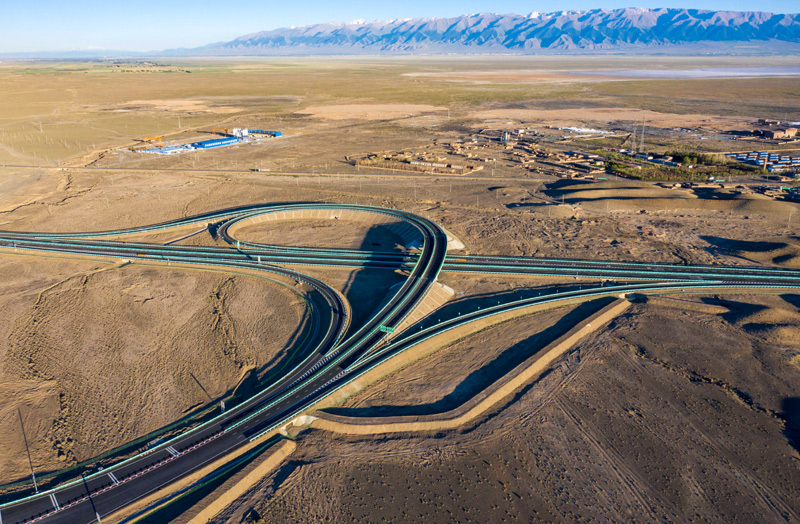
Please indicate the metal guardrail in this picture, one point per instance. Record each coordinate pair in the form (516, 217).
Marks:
(79, 248)
(425, 268)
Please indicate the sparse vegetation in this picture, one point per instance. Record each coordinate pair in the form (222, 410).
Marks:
(702, 167)
(544, 454)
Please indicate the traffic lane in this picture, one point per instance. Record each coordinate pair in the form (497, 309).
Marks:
(639, 274)
(113, 496)
(279, 410)
(106, 483)
(297, 400)
(96, 483)
(409, 338)
(120, 473)
(531, 265)
(297, 396)
(165, 473)
(141, 483)
(301, 399)
(455, 260)
(352, 254)
(221, 254)
(65, 497)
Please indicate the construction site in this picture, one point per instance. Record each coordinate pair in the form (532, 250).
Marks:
(228, 137)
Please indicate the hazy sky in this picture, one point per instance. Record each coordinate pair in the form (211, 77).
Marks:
(41, 25)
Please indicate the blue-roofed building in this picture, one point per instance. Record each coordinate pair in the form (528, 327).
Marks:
(217, 142)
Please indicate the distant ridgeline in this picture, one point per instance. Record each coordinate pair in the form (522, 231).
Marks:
(598, 30)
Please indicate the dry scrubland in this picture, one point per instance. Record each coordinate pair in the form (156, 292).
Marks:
(322, 233)
(651, 420)
(96, 354)
(631, 427)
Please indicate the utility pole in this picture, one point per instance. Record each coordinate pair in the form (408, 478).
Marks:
(30, 462)
(641, 145)
(198, 382)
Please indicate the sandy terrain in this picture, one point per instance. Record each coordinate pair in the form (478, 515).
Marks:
(365, 289)
(633, 427)
(463, 368)
(368, 111)
(507, 77)
(652, 420)
(595, 221)
(88, 359)
(342, 234)
(566, 117)
(177, 106)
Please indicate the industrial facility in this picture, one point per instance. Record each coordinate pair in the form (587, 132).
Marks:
(770, 130)
(229, 138)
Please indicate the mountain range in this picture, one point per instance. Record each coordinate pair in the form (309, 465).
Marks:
(596, 30)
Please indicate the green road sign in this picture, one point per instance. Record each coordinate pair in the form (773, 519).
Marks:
(385, 329)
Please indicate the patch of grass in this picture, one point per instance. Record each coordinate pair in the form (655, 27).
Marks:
(704, 166)
(53, 111)
(762, 97)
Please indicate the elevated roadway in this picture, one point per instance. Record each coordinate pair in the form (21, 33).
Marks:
(350, 259)
(129, 480)
(331, 360)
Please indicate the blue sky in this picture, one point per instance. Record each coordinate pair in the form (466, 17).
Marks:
(43, 25)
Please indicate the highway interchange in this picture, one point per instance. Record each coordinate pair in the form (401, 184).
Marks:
(337, 352)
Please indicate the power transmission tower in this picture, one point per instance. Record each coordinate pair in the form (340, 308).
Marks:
(641, 144)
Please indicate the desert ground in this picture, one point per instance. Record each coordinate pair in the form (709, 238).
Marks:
(681, 410)
(630, 427)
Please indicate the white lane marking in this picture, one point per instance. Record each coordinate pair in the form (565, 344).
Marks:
(111, 476)
(173, 451)
(54, 501)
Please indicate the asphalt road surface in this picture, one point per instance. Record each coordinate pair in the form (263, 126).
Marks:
(330, 360)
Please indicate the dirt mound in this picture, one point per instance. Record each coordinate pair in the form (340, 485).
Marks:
(783, 251)
(631, 196)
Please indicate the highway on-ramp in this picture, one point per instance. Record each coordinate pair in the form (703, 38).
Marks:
(337, 352)
(119, 485)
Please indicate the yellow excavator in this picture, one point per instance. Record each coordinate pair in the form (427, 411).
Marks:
(150, 140)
